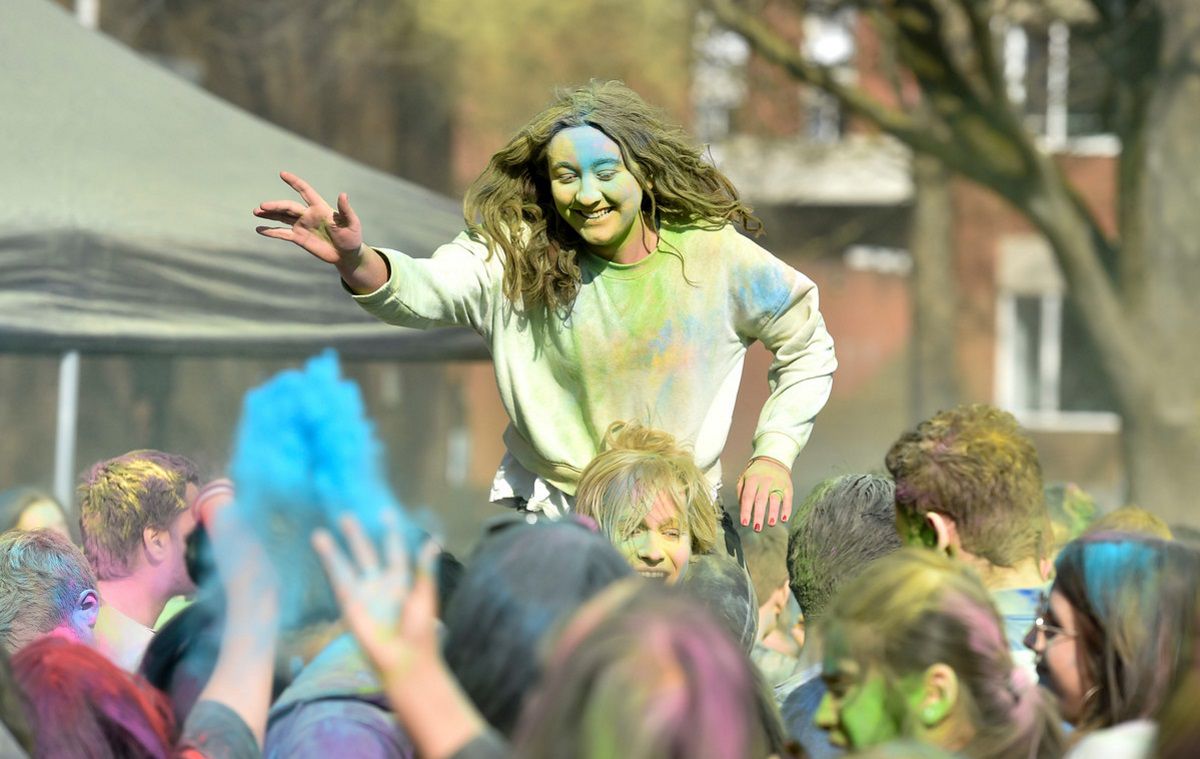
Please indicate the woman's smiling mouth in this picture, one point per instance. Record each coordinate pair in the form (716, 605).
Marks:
(594, 215)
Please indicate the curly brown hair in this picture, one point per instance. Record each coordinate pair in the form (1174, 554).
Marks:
(509, 206)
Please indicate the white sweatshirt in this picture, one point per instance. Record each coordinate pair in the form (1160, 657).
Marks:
(661, 341)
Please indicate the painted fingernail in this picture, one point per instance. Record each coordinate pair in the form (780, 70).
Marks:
(745, 522)
(771, 522)
(784, 517)
(758, 527)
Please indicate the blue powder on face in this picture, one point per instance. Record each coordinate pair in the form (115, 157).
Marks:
(305, 454)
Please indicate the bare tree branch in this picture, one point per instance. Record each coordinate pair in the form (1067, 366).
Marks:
(778, 51)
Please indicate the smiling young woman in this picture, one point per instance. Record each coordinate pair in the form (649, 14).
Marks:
(602, 265)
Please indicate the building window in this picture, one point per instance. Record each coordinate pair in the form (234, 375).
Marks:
(1048, 371)
(1055, 77)
(718, 77)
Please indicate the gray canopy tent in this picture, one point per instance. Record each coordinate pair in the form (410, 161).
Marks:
(125, 222)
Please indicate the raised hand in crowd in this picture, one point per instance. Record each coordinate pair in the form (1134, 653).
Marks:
(242, 677)
(392, 612)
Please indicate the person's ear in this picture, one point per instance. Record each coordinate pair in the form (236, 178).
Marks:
(939, 686)
(940, 533)
(1046, 568)
(155, 542)
(87, 608)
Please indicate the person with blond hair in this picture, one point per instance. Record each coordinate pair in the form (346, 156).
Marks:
(603, 267)
(649, 497)
(135, 516)
(1133, 520)
(914, 648)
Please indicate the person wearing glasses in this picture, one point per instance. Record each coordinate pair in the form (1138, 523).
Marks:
(1111, 637)
(915, 649)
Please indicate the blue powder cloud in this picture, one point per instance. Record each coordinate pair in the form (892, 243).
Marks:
(305, 454)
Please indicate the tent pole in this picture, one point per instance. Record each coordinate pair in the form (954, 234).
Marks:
(64, 440)
(87, 12)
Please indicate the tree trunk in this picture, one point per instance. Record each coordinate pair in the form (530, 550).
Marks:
(935, 307)
(1162, 443)
(1163, 467)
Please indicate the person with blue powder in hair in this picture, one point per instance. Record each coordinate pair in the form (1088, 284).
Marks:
(603, 266)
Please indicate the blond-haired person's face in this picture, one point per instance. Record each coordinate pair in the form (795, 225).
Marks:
(660, 546)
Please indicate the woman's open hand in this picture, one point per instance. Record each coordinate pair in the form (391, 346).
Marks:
(332, 235)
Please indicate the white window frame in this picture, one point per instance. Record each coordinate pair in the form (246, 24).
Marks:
(1054, 132)
(1027, 270)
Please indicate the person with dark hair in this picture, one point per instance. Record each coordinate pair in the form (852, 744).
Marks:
(845, 523)
(519, 584)
(603, 267)
(46, 588)
(520, 581)
(135, 514)
(645, 673)
(26, 508)
(969, 484)
(1112, 638)
(914, 648)
(1178, 730)
(721, 585)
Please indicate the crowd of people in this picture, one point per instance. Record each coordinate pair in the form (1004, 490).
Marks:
(928, 611)
(948, 605)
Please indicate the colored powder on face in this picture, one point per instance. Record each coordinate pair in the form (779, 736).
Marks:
(305, 454)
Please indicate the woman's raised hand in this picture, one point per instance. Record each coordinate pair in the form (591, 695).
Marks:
(332, 235)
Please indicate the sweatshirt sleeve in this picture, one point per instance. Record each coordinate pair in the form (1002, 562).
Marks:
(779, 307)
(456, 286)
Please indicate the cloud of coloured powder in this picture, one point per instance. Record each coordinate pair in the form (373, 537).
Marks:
(306, 453)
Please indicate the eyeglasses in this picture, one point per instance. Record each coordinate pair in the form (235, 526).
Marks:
(1049, 632)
